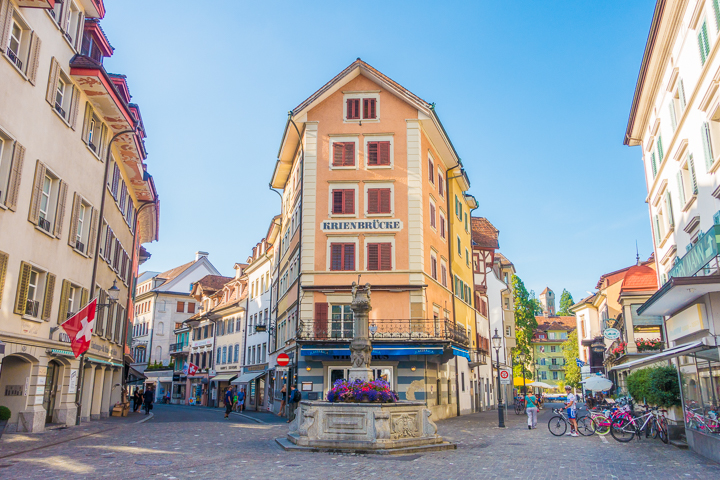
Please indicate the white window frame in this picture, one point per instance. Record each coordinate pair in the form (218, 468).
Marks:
(7, 148)
(23, 53)
(52, 199)
(368, 185)
(341, 239)
(343, 186)
(380, 239)
(342, 321)
(367, 138)
(38, 291)
(368, 94)
(344, 139)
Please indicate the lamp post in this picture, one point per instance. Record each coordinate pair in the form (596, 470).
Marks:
(521, 358)
(497, 343)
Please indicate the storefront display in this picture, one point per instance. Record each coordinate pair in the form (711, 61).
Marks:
(700, 384)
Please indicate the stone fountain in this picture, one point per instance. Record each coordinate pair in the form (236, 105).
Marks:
(381, 428)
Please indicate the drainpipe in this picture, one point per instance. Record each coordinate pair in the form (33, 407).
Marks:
(452, 278)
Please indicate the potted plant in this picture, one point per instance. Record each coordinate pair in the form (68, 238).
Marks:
(4, 417)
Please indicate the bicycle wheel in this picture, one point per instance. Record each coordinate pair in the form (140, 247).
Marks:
(653, 428)
(557, 425)
(585, 426)
(622, 430)
(601, 424)
(662, 429)
(518, 408)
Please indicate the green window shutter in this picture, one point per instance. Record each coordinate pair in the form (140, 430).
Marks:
(681, 189)
(654, 164)
(22, 289)
(661, 152)
(691, 167)
(707, 145)
(658, 238)
(681, 95)
(716, 9)
(63, 307)
(706, 40)
(3, 269)
(668, 207)
(673, 118)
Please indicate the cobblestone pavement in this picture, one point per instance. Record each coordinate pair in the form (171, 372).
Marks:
(198, 443)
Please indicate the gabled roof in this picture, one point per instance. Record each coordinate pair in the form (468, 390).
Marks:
(213, 283)
(639, 278)
(171, 274)
(547, 289)
(566, 323)
(484, 233)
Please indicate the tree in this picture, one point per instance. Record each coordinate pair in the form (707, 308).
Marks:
(566, 301)
(525, 326)
(536, 305)
(571, 352)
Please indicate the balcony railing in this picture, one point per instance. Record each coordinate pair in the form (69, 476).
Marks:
(32, 308)
(80, 247)
(44, 223)
(13, 56)
(385, 329)
(179, 347)
(59, 109)
(556, 368)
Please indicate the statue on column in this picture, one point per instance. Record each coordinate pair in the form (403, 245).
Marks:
(360, 347)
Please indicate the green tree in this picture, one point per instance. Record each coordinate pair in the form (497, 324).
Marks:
(525, 326)
(571, 352)
(566, 301)
(536, 305)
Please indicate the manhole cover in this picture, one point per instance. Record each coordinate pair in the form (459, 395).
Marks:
(154, 463)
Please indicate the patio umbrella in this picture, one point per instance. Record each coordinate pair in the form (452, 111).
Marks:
(541, 385)
(597, 384)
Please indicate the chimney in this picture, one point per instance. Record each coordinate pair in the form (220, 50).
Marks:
(199, 255)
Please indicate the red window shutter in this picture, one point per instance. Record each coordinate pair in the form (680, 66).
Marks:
(441, 186)
(383, 155)
(349, 201)
(373, 200)
(432, 215)
(349, 256)
(338, 150)
(373, 256)
(349, 154)
(433, 267)
(386, 256)
(369, 108)
(373, 153)
(384, 200)
(336, 256)
(320, 323)
(431, 171)
(337, 201)
(353, 108)
(442, 227)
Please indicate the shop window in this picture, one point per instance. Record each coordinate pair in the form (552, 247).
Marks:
(341, 321)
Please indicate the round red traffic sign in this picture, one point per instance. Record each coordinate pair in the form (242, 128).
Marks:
(504, 374)
(283, 359)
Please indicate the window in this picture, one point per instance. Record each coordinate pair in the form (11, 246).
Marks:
(443, 273)
(552, 347)
(687, 182)
(442, 225)
(369, 110)
(379, 256)
(343, 154)
(379, 201)
(703, 42)
(21, 45)
(433, 221)
(459, 247)
(433, 266)
(431, 170)
(342, 256)
(353, 108)
(343, 202)
(47, 205)
(706, 136)
(94, 132)
(362, 106)
(543, 375)
(35, 291)
(467, 257)
(508, 331)
(467, 228)
(555, 375)
(458, 208)
(74, 26)
(180, 307)
(441, 184)
(341, 321)
(378, 153)
(83, 226)
(191, 307)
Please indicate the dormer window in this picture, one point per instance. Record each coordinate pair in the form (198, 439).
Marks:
(361, 106)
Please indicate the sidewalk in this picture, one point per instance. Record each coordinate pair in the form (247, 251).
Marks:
(14, 443)
(262, 417)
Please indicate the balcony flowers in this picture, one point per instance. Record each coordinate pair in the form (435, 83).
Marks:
(649, 345)
(620, 349)
(377, 391)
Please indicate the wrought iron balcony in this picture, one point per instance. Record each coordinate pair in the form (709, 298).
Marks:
(44, 223)
(179, 347)
(13, 56)
(556, 368)
(418, 329)
(32, 308)
(59, 109)
(80, 247)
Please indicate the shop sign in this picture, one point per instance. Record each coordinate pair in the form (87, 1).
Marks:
(260, 328)
(704, 250)
(256, 368)
(611, 333)
(391, 225)
(202, 343)
(72, 385)
(690, 320)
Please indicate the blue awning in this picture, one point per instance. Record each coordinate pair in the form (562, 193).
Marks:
(389, 350)
(461, 352)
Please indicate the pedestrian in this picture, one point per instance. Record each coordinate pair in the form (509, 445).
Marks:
(235, 401)
(228, 401)
(241, 399)
(293, 400)
(571, 405)
(137, 399)
(531, 404)
(283, 392)
(148, 398)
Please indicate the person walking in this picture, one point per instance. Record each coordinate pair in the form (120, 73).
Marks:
(531, 404)
(571, 405)
(293, 400)
(283, 392)
(241, 400)
(137, 399)
(148, 398)
(228, 399)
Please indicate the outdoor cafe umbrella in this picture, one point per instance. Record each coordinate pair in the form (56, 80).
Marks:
(541, 385)
(597, 383)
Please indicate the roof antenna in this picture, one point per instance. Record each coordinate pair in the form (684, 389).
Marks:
(637, 253)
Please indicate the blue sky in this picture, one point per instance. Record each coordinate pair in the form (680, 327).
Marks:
(535, 96)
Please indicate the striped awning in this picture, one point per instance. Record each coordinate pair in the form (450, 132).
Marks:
(66, 353)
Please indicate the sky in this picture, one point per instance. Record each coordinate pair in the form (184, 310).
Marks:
(535, 96)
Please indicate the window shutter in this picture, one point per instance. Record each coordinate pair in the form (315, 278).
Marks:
(681, 189)
(80, 31)
(706, 40)
(654, 164)
(441, 185)
(432, 215)
(373, 153)
(336, 256)
(442, 227)
(92, 236)
(100, 323)
(3, 270)
(353, 108)
(707, 146)
(661, 152)
(373, 195)
(115, 181)
(673, 118)
(49, 294)
(74, 219)
(384, 200)
(60, 210)
(34, 213)
(658, 238)
(431, 171)
(337, 201)
(691, 165)
(63, 307)
(385, 256)
(72, 118)
(433, 267)
(6, 15)
(86, 123)
(668, 207)
(373, 261)
(349, 154)
(34, 59)
(681, 94)
(110, 324)
(349, 201)
(321, 317)
(369, 108)
(119, 322)
(349, 256)
(15, 176)
(383, 154)
(84, 294)
(338, 149)
(22, 288)
(53, 81)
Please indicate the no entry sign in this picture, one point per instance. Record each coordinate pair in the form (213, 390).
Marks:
(504, 374)
(283, 359)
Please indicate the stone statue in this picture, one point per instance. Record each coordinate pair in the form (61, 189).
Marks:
(360, 347)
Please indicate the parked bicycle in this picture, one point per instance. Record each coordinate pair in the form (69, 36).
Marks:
(699, 418)
(519, 405)
(558, 424)
(652, 422)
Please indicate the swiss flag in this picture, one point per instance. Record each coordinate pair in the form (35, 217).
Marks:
(192, 369)
(80, 326)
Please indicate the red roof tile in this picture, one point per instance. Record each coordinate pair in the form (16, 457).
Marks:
(484, 234)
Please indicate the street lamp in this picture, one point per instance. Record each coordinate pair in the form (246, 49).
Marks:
(497, 343)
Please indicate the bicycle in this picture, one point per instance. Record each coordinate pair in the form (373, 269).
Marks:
(559, 422)
(623, 429)
(705, 421)
(519, 406)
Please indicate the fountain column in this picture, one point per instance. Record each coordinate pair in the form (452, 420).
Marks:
(360, 347)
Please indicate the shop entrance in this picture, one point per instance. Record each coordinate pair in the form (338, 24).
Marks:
(50, 394)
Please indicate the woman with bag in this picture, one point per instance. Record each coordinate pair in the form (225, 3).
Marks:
(531, 404)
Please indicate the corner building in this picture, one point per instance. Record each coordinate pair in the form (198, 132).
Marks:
(363, 167)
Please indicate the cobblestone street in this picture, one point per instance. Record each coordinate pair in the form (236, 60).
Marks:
(193, 442)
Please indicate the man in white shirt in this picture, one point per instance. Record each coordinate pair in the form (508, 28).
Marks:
(571, 405)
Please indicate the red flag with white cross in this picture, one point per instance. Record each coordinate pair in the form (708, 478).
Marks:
(80, 326)
(192, 368)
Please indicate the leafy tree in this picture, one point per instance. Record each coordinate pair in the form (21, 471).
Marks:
(536, 305)
(571, 352)
(525, 326)
(566, 301)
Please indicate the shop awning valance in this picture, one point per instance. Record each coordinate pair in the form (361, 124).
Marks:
(246, 377)
(224, 377)
(664, 355)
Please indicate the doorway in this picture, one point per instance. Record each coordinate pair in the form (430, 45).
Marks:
(50, 393)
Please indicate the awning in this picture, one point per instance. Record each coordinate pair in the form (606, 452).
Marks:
(66, 353)
(135, 373)
(461, 352)
(246, 377)
(165, 379)
(677, 293)
(103, 362)
(389, 350)
(225, 377)
(664, 355)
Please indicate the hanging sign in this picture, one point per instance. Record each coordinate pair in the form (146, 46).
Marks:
(611, 333)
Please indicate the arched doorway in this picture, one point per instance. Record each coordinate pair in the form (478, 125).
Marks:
(51, 388)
